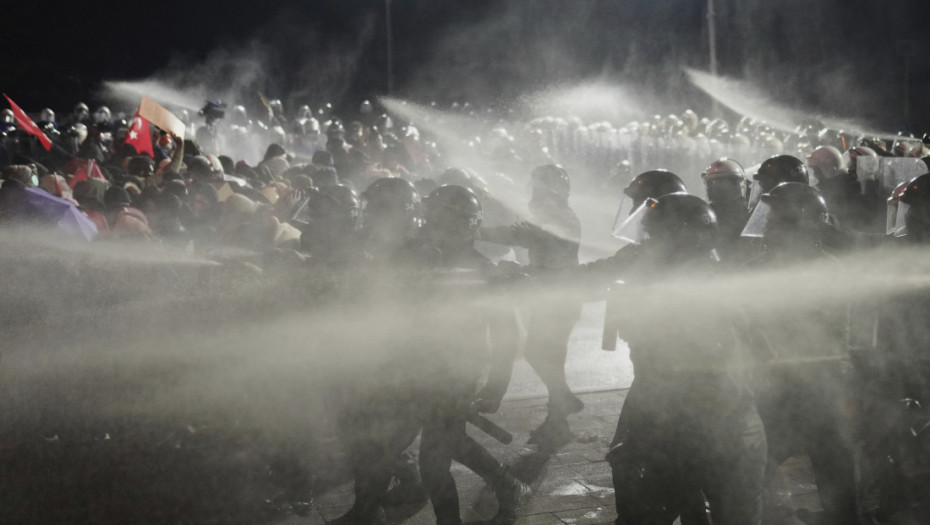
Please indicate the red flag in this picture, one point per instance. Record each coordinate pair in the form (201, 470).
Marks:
(28, 125)
(139, 135)
(83, 169)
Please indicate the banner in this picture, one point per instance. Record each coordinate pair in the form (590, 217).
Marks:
(161, 117)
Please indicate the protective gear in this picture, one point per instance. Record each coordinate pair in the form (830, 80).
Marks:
(78, 133)
(660, 463)
(690, 120)
(781, 168)
(917, 191)
(310, 126)
(653, 184)
(855, 153)
(239, 117)
(825, 162)
(47, 115)
(80, 114)
(304, 112)
(676, 222)
(335, 209)
(365, 108)
(453, 213)
(460, 177)
(917, 215)
(723, 168)
(276, 108)
(102, 115)
(391, 196)
(335, 130)
(895, 223)
(725, 180)
(391, 213)
(790, 207)
(7, 118)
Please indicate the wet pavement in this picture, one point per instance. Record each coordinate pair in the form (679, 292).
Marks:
(570, 486)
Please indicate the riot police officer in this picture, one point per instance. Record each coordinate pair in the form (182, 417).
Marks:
(431, 378)
(333, 216)
(454, 329)
(688, 424)
(650, 184)
(391, 216)
(727, 192)
(552, 240)
(840, 188)
(774, 171)
(802, 386)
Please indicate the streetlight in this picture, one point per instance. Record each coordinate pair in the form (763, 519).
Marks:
(712, 37)
(711, 34)
(390, 47)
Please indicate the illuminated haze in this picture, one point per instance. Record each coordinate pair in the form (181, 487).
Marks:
(160, 335)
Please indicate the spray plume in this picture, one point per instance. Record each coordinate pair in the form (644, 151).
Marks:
(748, 100)
(592, 101)
(121, 338)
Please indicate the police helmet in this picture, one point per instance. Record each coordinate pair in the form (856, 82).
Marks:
(654, 183)
(790, 207)
(723, 178)
(391, 196)
(684, 222)
(917, 192)
(826, 162)
(337, 206)
(779, 169)
(454, 210)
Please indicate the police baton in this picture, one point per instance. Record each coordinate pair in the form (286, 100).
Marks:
(490, 428)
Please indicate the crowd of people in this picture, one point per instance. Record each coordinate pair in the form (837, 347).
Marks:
(718, 401)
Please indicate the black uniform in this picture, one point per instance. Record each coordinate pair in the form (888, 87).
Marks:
(844, 198)
(802, 385)
(439, 328)
(803, 391)
(688, 423)
(454, 320)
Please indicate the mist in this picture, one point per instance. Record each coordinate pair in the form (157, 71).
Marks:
(103, 337)
(163, 336)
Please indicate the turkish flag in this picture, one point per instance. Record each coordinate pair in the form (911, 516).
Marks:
(139, 136)
(82, 169)
(28, 125)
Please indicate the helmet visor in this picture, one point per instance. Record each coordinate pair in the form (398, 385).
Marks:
(755, 226)
(631, 230)
(755, 194)
(619, 217)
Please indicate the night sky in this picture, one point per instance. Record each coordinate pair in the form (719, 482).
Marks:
(842, 57)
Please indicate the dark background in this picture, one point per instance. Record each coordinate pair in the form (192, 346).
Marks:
(849, 58)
